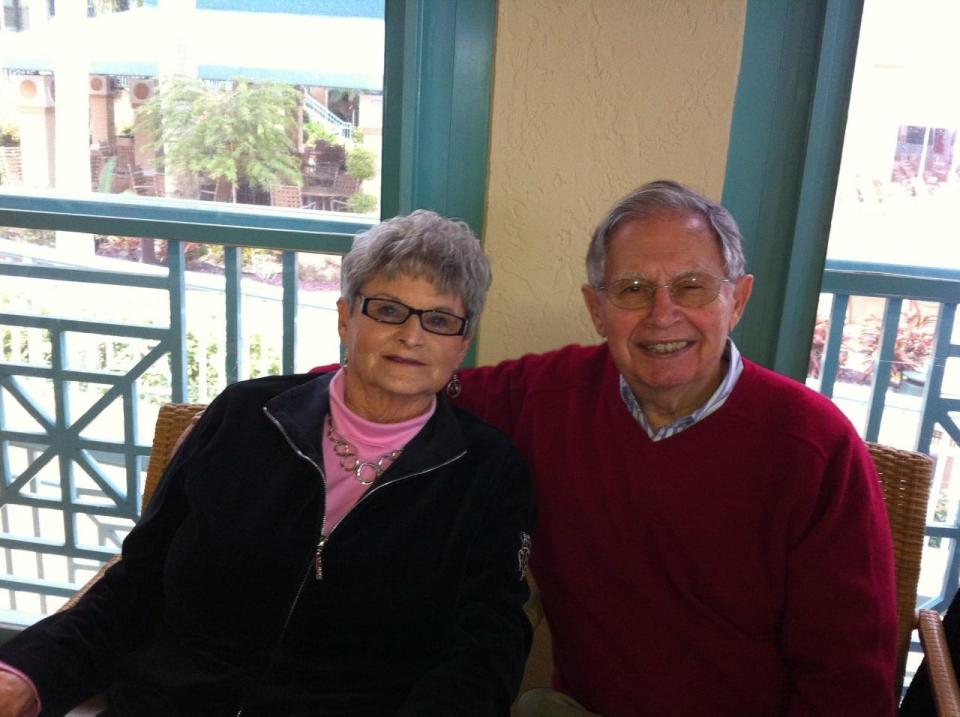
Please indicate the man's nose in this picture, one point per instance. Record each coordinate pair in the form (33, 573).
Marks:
(663, 306)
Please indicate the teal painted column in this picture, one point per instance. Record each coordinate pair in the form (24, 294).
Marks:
(786, 140)
(437, 101)
(437, 89)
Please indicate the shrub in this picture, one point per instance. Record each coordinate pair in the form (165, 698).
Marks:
(361, 203)
(362, 164)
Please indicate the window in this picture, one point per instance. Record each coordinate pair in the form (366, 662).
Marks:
(266, 103)
(74, 394)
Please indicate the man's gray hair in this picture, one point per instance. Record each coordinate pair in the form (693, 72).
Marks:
(422, 244)
(666, 196)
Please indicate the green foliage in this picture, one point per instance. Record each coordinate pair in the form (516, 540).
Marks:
(362, 163)
(40, 237)
(9, 135)
(357, 135)
(314, 132)
(361, 203)
(243, 134)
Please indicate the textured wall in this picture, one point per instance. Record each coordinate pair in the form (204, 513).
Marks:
(592, 98)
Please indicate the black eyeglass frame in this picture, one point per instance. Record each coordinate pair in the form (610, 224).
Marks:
(651, 289)
(419, 313)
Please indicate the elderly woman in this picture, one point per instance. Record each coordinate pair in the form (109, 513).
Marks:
(343, 543)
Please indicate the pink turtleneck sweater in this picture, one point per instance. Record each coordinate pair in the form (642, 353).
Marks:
(370, 441)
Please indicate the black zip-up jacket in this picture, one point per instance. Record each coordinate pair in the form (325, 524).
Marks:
(216, 607)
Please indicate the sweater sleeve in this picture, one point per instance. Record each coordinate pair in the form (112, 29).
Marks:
(481, 669)
(496, 393)
(71, 655)
(840, 624)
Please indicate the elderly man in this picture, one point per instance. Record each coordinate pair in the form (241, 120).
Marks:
(712, 537)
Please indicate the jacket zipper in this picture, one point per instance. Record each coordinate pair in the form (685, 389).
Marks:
(324, 539)
(313, 565)
(316, 563)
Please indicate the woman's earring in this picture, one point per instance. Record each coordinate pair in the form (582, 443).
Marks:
(454, 386)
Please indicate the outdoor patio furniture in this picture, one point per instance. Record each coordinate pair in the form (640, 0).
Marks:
(321, 174)
(289, 195)
(123, 171)
(11, 165)
(146, 185)
(939, 662)
(334, 197)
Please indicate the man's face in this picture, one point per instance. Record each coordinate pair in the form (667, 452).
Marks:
(670, 355)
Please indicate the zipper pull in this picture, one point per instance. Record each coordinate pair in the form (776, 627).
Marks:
(318, 557)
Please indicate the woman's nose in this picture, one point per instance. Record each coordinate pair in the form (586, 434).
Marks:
(411, 331)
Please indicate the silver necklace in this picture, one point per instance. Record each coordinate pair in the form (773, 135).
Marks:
(350, 461)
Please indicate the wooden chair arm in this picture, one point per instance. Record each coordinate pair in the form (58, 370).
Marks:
(79, 594)
(943, 680)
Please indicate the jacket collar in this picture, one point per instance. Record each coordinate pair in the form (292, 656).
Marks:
(300, 412)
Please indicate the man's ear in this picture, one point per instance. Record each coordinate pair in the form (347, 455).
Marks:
(741, 295)
(594, 304)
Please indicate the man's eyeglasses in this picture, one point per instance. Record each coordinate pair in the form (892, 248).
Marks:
(387, 311)
(690, 291)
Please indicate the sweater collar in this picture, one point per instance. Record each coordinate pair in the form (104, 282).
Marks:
(301, 410)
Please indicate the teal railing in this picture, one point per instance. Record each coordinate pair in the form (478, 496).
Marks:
(914, 368)
(74, 435)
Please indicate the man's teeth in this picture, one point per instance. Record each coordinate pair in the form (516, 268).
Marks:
(666, 348)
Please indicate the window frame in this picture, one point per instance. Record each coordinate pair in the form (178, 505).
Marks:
(786, 139)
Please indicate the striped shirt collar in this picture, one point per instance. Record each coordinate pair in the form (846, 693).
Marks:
(719, 397)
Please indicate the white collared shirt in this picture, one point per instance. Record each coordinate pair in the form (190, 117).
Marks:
(719, 397)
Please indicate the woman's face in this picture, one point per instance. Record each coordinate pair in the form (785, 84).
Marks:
(395, 369)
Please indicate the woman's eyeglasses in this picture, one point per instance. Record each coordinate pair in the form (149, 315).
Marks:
(388, 311)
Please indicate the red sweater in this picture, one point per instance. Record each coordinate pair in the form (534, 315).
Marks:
(742, 567)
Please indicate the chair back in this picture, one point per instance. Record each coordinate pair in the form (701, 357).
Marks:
(905, 477)
(172, 420)
(344, 185)
(322, 173)
(286, 195)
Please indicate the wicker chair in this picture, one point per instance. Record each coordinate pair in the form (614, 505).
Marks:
(905, 477)
(289, 195)
(940, 669)
(172, 422)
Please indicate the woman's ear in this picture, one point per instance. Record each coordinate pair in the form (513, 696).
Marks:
(464, 349)
(343, 318)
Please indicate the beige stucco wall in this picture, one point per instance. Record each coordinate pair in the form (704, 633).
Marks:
(590, 99)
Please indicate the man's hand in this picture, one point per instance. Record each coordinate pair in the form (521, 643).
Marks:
(16, 696)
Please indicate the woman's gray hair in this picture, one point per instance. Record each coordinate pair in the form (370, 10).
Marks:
(421, 244)
(666, 196)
